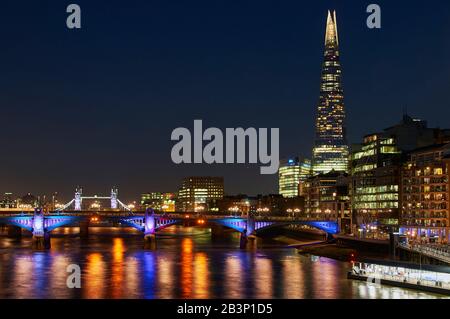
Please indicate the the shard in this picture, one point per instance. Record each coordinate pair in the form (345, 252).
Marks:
(330, 150)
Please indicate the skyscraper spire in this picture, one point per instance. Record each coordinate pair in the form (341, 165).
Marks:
(330, 151)
(331, 34)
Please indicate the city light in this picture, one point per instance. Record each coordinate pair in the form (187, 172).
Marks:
(356, 207)
(234, 209)
(95, 205)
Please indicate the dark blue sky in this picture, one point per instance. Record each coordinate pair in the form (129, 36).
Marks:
(97, 106)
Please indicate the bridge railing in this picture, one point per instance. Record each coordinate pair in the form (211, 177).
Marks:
(441, 252)
(10, 214)
(291, 219)
(120, 213)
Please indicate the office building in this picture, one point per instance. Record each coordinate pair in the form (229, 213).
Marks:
(291, 176)
(196, 193)
(330, 150)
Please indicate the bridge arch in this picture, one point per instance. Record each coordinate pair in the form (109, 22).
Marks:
(329, 227)
(237, 224)
(50, 223)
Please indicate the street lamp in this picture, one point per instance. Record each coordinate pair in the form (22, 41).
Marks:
(336, 206)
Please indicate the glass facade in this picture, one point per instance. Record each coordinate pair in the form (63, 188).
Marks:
(292, 173)
(375, 169)
(330, 150)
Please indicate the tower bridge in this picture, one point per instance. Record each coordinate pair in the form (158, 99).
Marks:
(76, 204)
(41, 224)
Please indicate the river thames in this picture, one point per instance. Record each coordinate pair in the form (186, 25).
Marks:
(188, 264)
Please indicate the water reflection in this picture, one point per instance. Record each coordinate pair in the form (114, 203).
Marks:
(165, 278)
(149, 275)
(22, 275)
(326, 279)
(187, 265)
(292, 278)
(59, 273)
(132, 280)
(233, 280)
(93, 282)
(263, 278)
(117, 268)
(201, 276)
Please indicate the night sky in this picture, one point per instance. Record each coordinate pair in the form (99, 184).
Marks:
(96, 107)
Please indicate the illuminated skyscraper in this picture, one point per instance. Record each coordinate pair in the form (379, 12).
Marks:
(292, 173)
(330, 150)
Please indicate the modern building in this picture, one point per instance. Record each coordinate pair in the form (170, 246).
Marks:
(196, 193)
(327, 197)
(375, 167)
(163, 202)
(330, 151)
(425, 206)
(375, 179)
(292, 174)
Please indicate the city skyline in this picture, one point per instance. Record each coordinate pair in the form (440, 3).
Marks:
(224, 158)
(98, 146)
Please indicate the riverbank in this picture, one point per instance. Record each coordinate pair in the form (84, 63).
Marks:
(295, 242)
(314, 243)
(330, 251)
(341, 252)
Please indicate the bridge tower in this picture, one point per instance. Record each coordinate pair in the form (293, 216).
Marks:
(149, 229)
(41, 238)
(78, 192)
(248, 237)
(114, 192)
